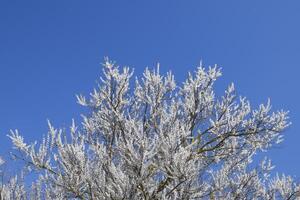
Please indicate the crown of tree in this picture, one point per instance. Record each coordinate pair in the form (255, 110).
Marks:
(155, 139)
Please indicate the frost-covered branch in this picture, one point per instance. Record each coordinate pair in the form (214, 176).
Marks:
(158, 140)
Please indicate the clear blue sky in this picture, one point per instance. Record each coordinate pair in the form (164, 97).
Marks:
(52, 50)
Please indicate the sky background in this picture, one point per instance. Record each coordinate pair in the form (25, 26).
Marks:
(52, 50)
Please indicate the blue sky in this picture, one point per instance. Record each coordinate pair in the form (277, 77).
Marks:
(52, 50)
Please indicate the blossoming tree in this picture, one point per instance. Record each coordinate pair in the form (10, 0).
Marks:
(154, 139)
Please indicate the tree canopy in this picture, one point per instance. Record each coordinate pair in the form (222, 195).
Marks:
(156, 139)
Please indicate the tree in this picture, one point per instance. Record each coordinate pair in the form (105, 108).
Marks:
(157, 140)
